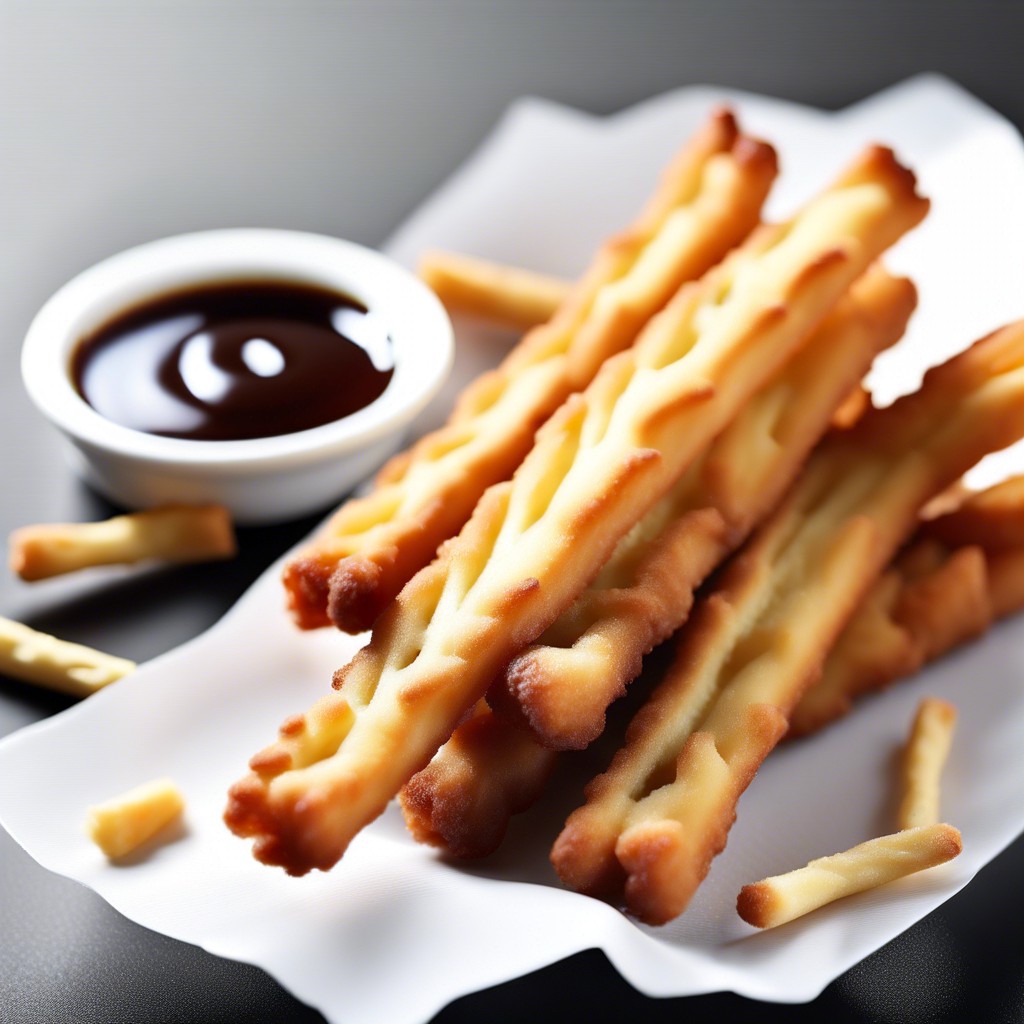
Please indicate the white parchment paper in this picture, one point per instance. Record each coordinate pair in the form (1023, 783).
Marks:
(393, 933)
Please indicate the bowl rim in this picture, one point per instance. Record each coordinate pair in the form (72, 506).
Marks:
(419, 326)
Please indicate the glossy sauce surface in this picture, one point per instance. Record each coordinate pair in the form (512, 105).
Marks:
(233, 361)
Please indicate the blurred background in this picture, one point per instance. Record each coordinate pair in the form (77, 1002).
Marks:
(125, 121)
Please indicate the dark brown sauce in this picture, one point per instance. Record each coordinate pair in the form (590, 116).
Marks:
(233, 361)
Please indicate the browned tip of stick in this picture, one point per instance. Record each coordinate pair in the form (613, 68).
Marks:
(463, 800)
(307, 583)
(660, 877)
(584, 865)
(722, 121)
(285, 835)
(758, 904)
(439, 812)
(950, 842)
(244, 814)
(356, 594)
(526, 695)
(879, 164)
(756, 154)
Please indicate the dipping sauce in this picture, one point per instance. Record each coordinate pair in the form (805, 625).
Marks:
(237, 360)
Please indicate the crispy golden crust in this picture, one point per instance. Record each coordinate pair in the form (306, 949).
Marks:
(647, 586)
(561, 686)
(927, 749)
(708, 201)
(786, 897)
(534, 543)
(503, 295)
(174, 533)
(933, 598)
(755, 646)
(462, 801)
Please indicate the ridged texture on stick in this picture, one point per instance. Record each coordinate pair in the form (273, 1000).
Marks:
(533, 544)
(934, 597)
(560, 687)
(709, 200)
(463, 799)
(655, 820)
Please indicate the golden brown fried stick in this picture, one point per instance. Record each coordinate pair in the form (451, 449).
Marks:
(654, 821)
(487, 772)
(784, 898)
(59, 665)
(503, 295)
(931, 600)
(708, 201)
(173, 533)
(927, 749)
(534, 543)
(463, 799)
(934, 597)
(560, 687)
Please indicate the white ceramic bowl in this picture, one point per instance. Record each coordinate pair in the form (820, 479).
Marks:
(262, 480)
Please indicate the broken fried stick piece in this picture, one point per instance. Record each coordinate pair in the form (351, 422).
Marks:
(56, 664)
(174, 533)
(654, 821)
(708, 201)
(561, 686)
(927, 749)
(533, 544)
(121, 825)
(502, 295)
(786, 897)
(932, 599)
(463, 799)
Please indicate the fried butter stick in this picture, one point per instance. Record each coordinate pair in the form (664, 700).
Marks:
(560, 687)
(172, 533)
(534, 543)
(927, 749)
(36, 657)
(507, 296)
(655, 820)
(933, 598)
(784, 898)
(709, 200)
(490, 768)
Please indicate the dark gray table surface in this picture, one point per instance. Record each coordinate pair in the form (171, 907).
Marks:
(122, 122)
